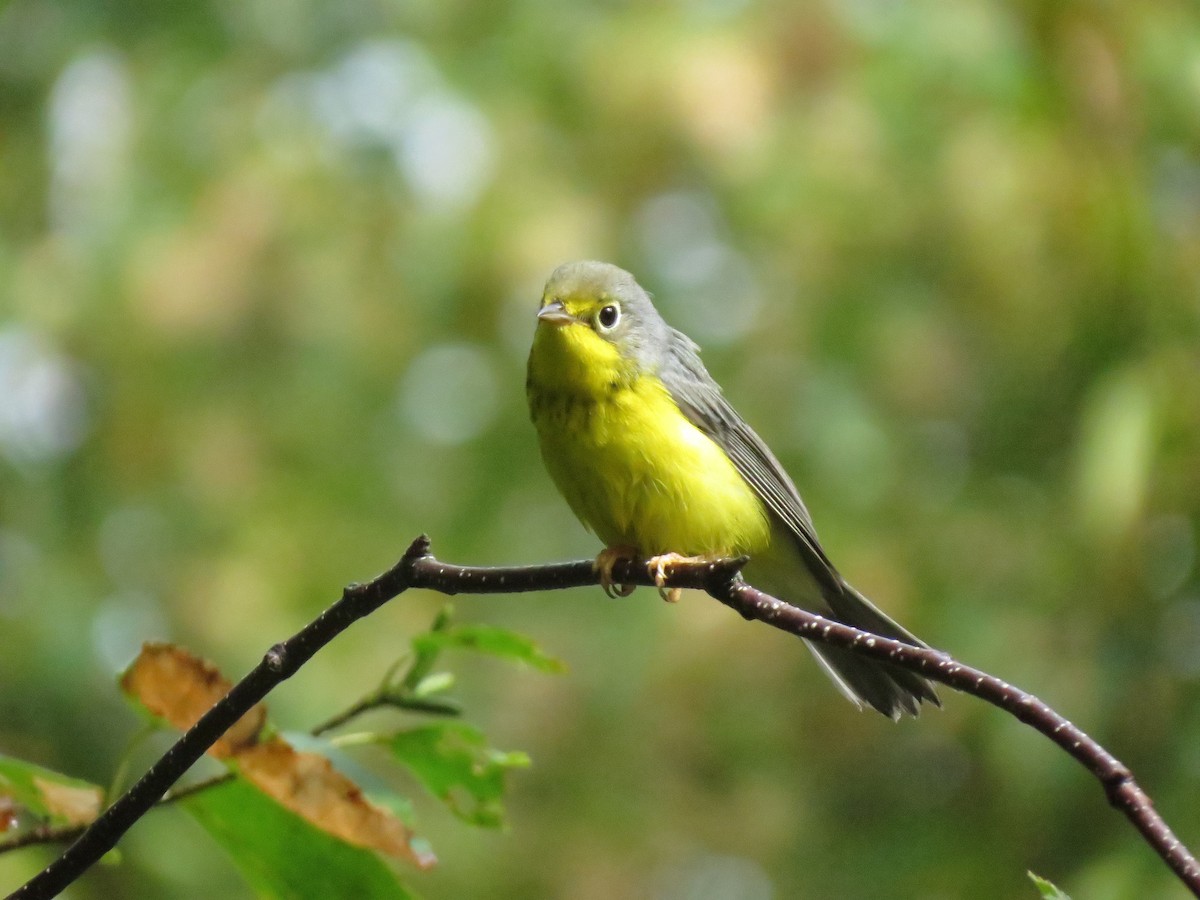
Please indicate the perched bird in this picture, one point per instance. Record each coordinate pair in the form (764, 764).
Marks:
(651, 457)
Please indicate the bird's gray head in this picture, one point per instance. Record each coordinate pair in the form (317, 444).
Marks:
(608, 300)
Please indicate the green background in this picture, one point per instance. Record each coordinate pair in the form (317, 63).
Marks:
(267, 279)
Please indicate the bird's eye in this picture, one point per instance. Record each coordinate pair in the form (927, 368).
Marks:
(609, 316)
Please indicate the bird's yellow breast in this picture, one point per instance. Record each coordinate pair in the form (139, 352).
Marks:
(629, 463)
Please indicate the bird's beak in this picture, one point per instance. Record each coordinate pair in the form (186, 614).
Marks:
(556, 314)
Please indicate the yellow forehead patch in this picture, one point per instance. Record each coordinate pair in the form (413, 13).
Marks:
(578, 304)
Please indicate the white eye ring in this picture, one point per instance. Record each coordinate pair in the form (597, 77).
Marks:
(608, 316)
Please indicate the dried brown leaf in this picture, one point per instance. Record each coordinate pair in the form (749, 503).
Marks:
(74, 805)
(309, 786)
(179, 687)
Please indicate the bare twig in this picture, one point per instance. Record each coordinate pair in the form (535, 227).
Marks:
(417, 568)
(383, 698)
(44, 834)
(1123, 792)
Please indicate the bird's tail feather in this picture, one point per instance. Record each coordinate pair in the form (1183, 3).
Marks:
(885, 687)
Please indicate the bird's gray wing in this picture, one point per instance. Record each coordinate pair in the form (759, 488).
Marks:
(887, 688)
(700, 399)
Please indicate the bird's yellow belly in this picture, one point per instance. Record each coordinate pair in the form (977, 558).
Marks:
(639, 474)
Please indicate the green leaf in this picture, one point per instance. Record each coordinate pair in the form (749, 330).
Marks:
(1048, 890)
(50, 795)
(491, 640)
(434, 684)
(283, 856)
(425, 655)
(453, 761)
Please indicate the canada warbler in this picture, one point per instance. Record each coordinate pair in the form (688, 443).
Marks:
(652, 458)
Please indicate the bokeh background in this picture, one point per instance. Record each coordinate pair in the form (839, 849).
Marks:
(267, 279)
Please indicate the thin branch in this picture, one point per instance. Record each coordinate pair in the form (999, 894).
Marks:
(62, 834)
(44, 834)
(389, 698)
(1117, 780)
(417, 568)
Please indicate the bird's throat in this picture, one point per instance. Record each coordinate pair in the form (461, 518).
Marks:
(571, 364)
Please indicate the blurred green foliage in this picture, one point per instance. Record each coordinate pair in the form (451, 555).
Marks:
(267, 276)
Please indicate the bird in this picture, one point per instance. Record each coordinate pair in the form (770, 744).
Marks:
(651, 457)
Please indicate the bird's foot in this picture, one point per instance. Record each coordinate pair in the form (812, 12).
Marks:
(658, 567)
(608, 558)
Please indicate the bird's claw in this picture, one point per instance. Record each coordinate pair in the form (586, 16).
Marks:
(608, 558)
(658, 567)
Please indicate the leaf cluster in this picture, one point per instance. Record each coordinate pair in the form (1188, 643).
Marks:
(294, 825)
